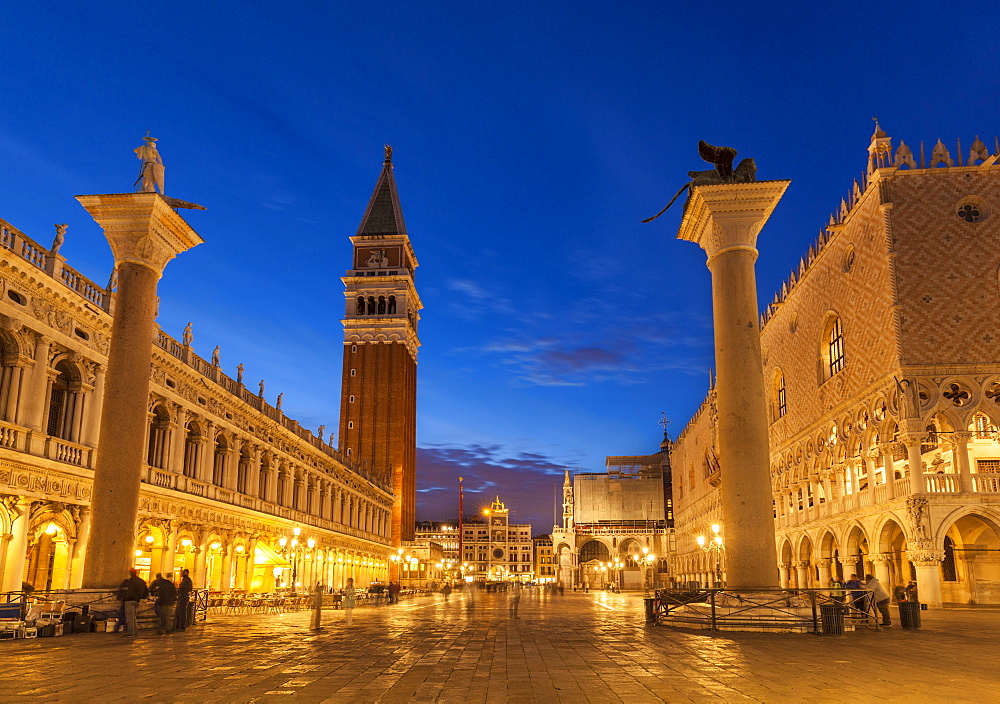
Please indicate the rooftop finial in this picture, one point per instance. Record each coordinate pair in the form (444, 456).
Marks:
(879, 132)
(388, 155)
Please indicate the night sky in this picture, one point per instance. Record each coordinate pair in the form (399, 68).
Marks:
(529, 141)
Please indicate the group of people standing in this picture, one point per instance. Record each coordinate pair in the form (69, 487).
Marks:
(171, 601)
(859, 595)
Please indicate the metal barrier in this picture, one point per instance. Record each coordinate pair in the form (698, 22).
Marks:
(762, 609)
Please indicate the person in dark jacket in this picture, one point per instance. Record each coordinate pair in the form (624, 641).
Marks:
(166, 599)
(132, 590)
(184, 590)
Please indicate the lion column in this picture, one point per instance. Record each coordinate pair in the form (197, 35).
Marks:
(724, 219)
(144, 233)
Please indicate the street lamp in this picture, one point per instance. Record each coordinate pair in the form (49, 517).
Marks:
(648, 559)
(714, 546)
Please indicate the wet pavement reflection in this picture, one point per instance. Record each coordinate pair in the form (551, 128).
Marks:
(573, 648)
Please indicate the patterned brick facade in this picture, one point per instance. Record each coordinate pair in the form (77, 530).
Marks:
(907, 271)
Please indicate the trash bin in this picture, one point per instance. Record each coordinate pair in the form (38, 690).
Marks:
(650, 609)
(832, 616)
(909, 614)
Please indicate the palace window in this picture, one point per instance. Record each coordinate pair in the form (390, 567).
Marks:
(831, 352)
(780, 399)
(836, 343)
(984, 427)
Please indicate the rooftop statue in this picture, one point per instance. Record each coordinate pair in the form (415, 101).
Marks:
(151, 172)
(722, 158)
(59, 238)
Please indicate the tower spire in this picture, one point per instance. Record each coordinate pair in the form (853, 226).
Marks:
(383, 216)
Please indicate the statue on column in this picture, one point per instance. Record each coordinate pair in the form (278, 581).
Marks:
(59, 239)
(722, 159)
(151, 172)
(261, 388)
(216, 357)
(319, 432)
(188, 336)
(277, 403)
(916, 507)
(239, 373)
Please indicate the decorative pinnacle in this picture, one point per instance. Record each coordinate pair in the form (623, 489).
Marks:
(388, 155)
(664, 422)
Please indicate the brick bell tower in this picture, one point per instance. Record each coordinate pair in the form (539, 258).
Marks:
(378, 404)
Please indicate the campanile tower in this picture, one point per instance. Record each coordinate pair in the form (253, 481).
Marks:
(378, 405)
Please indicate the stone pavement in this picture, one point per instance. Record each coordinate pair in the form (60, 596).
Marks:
(575, 648)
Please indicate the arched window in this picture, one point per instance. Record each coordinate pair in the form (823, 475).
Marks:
(381, 305)
(831, 353)
(392, 305)
(835, 341)
(282, 483)
(64, 402)
(265, 472)
(779, 398)
(159, 427)
(192, 449)
(243, 470)
(371, 305)
(221, 458)
(360, 309)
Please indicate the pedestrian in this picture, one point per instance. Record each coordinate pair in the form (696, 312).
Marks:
(881, 597)
(911, 592)
(857, 594)
(562, 589)
(836, 590)
(133, 590)
(166, 600)
(349, 600)
(513, 599)
(393, 592)
(446, 590)
(184, 590)
(470, 599)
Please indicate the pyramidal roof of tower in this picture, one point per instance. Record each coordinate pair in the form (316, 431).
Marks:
(384, 216)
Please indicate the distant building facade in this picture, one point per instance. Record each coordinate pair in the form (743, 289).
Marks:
(617, 525)
(497, 550)
(882, 361)
(544, 566)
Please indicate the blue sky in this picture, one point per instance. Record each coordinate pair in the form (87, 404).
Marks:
(529, 140)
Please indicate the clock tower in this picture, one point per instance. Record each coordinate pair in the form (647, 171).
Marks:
(378, 404)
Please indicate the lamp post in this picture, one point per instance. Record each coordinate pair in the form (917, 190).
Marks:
(618, 574)
(648, 559)
(714, 546)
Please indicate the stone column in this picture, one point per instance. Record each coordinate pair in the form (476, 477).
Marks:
(227, 568)
(913, 456)
(724, 220)
(92, 428)
(37, 400)
(17, 547)
(824, 572)
(962, 463)
(890, 468)
(169, 555)
(144, 233)
(883, 572)
(199, 575)
(784, 573)
(928, 567)
(80, 549)
(178, 442)
(802, 574)
(251, 559)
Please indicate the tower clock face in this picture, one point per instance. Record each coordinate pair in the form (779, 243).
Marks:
(497, 554)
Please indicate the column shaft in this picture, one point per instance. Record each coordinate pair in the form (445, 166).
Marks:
(742, 422)
(118, 470)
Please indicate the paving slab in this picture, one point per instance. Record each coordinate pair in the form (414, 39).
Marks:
(574, 648)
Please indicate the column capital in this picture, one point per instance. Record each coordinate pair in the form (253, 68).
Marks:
(729, 216)
(883, 557)
(824, 562)
(962, 436)
(926, 558)
(141, 228)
